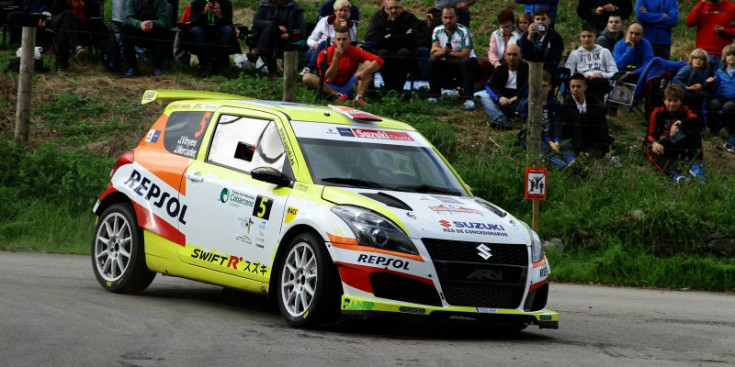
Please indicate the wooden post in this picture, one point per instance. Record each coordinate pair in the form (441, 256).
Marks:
(290, 75)
(25, 78)
(535, 110)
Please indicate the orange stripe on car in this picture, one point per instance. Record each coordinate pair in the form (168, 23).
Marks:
(347, 243)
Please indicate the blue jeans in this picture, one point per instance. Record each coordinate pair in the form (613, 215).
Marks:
(561, 159)
(211, 45)
(495, 111)
(313, 53)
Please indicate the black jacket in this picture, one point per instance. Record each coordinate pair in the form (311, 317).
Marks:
(587, 130)
(198, 18)
(496, 84)
(586, 11)
(547, 51)
(391, 35)
(290, 15)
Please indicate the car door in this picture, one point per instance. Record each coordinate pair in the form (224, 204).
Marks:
(234, 219)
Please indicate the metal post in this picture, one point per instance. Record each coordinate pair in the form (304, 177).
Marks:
(535, 109)
(25, 78)
(290, 64)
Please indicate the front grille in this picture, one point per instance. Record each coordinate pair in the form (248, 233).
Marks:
(509, 254)
(400, 288)
(467, 279)
(483, 295)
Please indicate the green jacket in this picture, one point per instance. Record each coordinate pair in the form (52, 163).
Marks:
(138, 11)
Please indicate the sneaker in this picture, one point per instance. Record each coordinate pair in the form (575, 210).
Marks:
(157, 71)
(500, 124)
(305, 71)
(680, 179)
(697, 171)
(131, 72)
(729, 147)
(342, 97)
(432, 100)
(61, 70)
(614, 161)
(469, 105)
(80, 52)
(359, 100)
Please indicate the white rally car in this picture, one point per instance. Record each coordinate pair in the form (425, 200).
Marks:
(330, 210)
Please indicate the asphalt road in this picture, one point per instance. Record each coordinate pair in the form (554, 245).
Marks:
(53, 313)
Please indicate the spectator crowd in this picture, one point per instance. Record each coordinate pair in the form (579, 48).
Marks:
(437, 49)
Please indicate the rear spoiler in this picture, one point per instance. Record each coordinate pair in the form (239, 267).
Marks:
(182, 94)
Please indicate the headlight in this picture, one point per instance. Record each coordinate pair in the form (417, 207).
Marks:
(375, 230)
(537, 252)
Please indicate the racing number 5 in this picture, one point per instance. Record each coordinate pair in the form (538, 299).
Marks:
(262, 207)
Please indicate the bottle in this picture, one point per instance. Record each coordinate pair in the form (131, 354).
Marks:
(210, 17)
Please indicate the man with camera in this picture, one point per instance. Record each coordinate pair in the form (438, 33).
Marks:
(541, 43)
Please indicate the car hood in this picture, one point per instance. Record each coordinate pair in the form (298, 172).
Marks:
(457, 218)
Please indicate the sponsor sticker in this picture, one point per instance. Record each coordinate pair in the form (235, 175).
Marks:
(487, 310)
(488, 229)
(386, 262)
(357, 305)
(153, 135)
(291, 213)
(451, 209)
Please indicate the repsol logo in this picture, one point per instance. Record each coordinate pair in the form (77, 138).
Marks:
(383, 261)
(153, 193)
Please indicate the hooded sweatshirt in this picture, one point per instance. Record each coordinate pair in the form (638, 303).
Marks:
(608, 41)
(588, 62)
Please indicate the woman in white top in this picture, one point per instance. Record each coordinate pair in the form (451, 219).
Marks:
(503, 37)
(325, 28)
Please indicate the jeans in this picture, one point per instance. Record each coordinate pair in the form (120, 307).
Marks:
(496, 112)
(211, 45)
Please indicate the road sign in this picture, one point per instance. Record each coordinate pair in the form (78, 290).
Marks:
(536, 183)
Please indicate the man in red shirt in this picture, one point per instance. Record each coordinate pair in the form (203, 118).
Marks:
(346, 66)
(713, 19)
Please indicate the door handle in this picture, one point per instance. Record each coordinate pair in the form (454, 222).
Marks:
(194, 176)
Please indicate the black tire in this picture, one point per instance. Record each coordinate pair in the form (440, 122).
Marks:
(118, 254)
(307, 288)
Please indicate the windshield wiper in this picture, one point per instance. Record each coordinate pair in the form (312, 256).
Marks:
(352, 182)
(429, 189)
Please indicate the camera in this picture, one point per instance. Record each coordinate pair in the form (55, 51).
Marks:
(541, 28)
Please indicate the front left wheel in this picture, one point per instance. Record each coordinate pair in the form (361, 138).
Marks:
(118, 256)
(307, 289)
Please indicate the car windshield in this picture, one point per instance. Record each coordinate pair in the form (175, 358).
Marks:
(411, 168)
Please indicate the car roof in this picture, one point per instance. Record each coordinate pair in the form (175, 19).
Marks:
(334, 114)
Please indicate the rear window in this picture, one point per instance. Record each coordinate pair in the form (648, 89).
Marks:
(184, 132)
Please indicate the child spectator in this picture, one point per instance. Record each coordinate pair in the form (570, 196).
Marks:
(673, 135)
(558, 152)
(585, 122)
(693, 78)
(524, 20)
(723, 98)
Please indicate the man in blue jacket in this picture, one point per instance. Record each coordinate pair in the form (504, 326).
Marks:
(657, 18)
(632, 53)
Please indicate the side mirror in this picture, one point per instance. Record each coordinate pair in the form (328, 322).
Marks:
(271, 175)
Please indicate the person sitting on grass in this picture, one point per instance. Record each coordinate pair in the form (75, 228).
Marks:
(505, 89)
(585, 122)
(723, 98)
(553, 147)
(345, 66)
(147, 25)
(674, 137)
(595, 62)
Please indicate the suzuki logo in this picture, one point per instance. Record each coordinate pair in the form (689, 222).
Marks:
(484, 251)
(445, 223)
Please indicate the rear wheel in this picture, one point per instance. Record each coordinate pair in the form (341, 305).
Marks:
(307, 290)
(118, 256)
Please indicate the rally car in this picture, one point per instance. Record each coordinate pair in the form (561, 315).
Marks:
(331, 211)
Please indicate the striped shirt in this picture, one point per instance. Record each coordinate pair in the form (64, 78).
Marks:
(460, 39)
